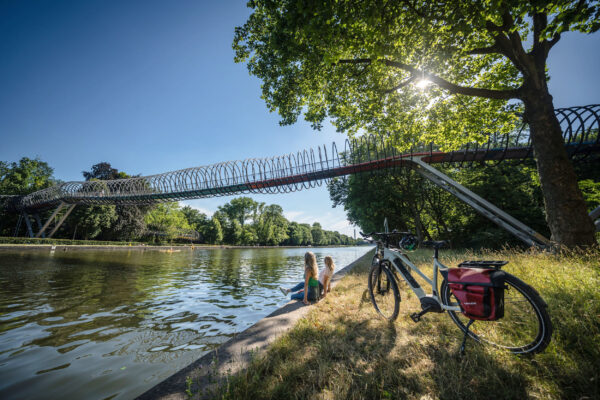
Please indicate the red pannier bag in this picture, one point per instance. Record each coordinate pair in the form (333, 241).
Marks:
(480, 291)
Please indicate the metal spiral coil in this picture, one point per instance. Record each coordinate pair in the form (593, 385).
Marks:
(309, 168)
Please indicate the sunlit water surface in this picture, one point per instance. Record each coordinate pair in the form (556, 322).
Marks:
(111, 324)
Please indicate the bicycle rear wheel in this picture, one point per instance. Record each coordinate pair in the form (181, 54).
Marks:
(385, 295)
(525, 327)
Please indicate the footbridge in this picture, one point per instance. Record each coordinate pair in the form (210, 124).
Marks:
(312, 167)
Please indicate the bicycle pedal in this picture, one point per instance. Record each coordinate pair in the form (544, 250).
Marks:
(416, 317)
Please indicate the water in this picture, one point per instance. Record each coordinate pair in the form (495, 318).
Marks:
(112, 324)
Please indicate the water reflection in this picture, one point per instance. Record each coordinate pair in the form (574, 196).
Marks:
(111, 324)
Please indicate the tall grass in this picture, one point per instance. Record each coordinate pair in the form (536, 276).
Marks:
(342, 350)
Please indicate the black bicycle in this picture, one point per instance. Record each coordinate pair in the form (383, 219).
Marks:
(524, 327)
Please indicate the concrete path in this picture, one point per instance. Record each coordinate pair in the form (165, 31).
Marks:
(233, 355)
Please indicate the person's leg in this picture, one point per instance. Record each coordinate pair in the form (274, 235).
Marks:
(297, 296)
(299, 286)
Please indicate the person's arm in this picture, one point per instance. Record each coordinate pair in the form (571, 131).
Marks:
(306, 278)
(326, 284)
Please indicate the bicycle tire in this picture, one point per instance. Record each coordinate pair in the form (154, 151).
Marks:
(531, 321)
(384, 292)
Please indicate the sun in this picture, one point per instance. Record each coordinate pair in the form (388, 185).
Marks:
(423, 83)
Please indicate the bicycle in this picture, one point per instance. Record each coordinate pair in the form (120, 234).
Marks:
(524, 328)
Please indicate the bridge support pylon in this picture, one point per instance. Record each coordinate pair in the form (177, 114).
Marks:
(24, 216)
(481, 205)
(41, 232)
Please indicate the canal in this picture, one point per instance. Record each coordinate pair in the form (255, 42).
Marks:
(102, 324)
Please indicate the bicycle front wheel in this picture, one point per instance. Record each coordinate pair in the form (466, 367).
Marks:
(385, 295)
(525, 327)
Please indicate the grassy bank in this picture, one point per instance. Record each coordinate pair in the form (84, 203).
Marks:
(342, 350)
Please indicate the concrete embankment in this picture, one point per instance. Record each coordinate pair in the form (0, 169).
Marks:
(233, 355)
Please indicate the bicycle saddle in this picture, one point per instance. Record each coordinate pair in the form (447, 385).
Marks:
(436, 244)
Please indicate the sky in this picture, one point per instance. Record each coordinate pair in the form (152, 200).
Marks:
(151, 86)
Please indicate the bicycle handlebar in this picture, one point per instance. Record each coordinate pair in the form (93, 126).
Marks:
(392, 233)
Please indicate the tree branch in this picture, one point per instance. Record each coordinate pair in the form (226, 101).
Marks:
(552, 42)
(401, 84)
(540, 22)
(486, 50)
(355, 61)
(441, 82)
(457, 89)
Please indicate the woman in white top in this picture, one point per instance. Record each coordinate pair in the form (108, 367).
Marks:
(325, 276)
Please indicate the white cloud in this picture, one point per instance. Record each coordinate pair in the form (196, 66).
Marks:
(206, 211)
(292, 215)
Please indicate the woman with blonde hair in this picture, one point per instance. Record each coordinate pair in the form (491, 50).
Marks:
(309, 289)
(325, 276)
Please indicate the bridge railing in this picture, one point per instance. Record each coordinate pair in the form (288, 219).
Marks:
(310, 168)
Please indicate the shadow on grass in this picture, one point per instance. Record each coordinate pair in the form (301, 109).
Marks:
(573, 358)
(365, 359)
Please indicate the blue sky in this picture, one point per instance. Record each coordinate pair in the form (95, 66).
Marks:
(151, 86)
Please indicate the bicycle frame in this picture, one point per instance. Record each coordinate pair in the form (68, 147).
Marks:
(399, 261)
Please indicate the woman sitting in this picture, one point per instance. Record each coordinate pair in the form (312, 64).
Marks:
(310, 288)
(325, 276)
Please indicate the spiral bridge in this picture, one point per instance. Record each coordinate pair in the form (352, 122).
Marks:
(309, 168)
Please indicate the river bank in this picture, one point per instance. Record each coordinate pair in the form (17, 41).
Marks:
(340, 349)
(234, 355)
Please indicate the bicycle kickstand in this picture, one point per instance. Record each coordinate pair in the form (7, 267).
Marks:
(464, 342)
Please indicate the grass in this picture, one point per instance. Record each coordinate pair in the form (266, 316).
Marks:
(342, 350)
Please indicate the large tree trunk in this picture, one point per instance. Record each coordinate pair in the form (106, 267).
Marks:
(566, 212)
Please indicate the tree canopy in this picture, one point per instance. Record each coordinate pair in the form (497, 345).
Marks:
(21, 178)
(360, 63)
(418, 71)
(26, 176)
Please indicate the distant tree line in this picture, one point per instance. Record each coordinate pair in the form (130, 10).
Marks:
(242, 221)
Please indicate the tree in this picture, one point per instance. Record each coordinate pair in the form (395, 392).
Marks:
(167, 220)
(360, 63)
(234, 232)
(240, 208)
(103, 171)
(197, 220)
(295, 234)
(130, 222)
(248, 236)
(317, 234)
(410, 203)
(307, 238)
(271, 227)
(90, 221)
(130, 219)
(27, 176)
(214, 233)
